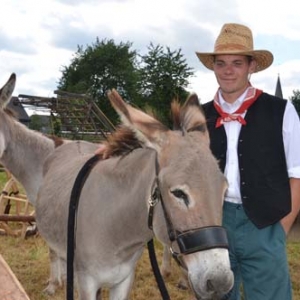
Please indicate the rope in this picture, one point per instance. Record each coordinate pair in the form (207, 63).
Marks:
(159, 280)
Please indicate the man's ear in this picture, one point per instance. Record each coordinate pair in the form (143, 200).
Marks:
(253, 65)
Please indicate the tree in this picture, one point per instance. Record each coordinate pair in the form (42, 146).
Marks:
(35, 122)
(296, 100)
(100, 67)
(164, 76)
(152, 80)
(40, 123)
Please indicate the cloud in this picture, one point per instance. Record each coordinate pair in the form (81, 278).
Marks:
(69, 37)
(47, 33)
(16, 44)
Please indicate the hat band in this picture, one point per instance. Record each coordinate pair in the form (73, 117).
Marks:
(231, 47)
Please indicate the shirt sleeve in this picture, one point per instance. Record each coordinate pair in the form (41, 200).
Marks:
(291, 140)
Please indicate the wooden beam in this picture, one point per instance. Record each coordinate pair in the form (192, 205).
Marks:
(17, 218)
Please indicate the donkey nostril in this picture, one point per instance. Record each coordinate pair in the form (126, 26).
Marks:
(209, 285)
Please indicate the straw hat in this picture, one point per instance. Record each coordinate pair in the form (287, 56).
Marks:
(236, 39)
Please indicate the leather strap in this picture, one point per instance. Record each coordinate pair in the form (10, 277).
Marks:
(202, 239)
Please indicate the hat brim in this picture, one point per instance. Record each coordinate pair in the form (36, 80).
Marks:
(263, 58)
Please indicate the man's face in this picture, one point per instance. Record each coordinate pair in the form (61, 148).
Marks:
(232, 73)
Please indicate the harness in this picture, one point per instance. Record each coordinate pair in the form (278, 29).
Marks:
(190, 241)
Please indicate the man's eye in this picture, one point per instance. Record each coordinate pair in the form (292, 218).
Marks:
(219, 64)
(238, 64)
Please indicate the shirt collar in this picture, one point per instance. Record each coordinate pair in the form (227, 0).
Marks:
(231, 107)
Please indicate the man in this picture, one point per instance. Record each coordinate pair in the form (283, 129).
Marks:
(256, 139)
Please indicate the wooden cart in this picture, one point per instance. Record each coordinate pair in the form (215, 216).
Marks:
(16, 213)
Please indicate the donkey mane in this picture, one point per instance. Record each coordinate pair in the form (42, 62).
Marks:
(175, 110)
(121, 142)
(58, 141)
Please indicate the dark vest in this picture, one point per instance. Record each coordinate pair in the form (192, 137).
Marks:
(264, 185)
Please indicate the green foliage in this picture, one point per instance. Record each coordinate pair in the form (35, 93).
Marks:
(40, 123)
(152, 80)
(35, 123)
(99, 68)
(164, 76)
(56, 126)
(296, 100)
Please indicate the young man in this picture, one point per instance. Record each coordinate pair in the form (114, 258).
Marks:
(256, 139)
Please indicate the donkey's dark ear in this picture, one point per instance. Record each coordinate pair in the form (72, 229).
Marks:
(7, 90)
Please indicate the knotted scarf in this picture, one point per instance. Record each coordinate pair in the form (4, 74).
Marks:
(251, 96)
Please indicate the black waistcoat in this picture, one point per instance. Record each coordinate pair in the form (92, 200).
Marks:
(264, 185)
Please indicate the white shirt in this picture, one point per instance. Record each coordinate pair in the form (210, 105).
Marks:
(291, 140)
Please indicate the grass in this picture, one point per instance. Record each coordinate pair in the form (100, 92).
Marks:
(28, 259)
(294, 262)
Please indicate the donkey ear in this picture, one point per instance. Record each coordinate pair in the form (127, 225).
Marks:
(7, 90)
(192, 116)
(147, 129)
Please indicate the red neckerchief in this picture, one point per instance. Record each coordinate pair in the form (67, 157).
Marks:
(251, 96)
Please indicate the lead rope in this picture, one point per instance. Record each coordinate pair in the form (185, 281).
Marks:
(71, 239)
(155, 198)
(155, 268)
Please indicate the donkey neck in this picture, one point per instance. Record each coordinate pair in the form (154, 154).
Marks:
(23, 152)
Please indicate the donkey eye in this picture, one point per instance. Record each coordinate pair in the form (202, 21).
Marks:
(181, 195)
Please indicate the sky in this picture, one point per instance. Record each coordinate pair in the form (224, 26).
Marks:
(39, 38)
